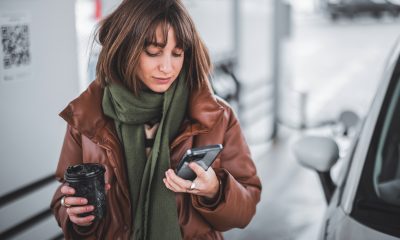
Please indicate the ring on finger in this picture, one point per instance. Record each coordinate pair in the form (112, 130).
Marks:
(192, 186)
(63, 203)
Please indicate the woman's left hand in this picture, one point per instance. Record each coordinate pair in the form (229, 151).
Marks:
(206, 184)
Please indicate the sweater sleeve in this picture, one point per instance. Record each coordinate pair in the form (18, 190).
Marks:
(241, 187)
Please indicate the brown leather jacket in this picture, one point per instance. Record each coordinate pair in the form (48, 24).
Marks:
(91, 137)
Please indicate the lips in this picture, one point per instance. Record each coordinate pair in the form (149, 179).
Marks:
(162, 80)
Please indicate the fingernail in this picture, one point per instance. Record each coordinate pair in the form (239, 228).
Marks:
(90, 208)
(84, 201)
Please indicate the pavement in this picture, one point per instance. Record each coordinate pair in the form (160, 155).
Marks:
(292, 201)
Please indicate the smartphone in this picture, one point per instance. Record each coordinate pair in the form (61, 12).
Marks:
(204, 156)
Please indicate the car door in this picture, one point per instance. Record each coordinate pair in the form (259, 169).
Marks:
(369, 207)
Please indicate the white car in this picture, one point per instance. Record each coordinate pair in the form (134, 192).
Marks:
(364, 203)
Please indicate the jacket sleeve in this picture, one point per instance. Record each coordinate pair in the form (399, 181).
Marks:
(240, 187)
(71, 154)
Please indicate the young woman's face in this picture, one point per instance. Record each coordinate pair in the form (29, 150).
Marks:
(160, 66)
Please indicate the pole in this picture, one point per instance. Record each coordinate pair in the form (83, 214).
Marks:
(276, 50)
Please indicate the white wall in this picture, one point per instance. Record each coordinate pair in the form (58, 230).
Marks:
(31, 132)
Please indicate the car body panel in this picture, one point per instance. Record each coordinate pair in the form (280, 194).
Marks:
(351, 229)
(340, 226)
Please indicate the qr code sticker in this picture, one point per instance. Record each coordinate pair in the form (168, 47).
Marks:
(15, 42)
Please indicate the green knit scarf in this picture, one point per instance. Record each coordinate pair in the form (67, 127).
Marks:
(153, 205)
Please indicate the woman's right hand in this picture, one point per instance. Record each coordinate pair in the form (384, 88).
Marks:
(78, 206)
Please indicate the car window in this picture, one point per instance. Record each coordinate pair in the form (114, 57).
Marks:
(386, 173)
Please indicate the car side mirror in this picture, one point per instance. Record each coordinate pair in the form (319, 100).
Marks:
(319, 154)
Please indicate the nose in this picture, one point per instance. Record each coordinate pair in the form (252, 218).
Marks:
(166, 65)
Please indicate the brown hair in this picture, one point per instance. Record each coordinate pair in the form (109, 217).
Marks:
(126, 32)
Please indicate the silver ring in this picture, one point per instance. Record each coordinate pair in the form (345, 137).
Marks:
(193, 186)
(63, 202)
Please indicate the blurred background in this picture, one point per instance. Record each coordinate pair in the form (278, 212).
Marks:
(287, 67)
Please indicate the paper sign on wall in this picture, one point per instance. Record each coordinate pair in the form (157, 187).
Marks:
(15, 46)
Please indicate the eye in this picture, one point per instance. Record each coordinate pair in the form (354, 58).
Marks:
(177, 53)
(152, 53)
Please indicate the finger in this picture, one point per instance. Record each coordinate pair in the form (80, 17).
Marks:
(83, 221)
(79, 210)
(67, 190)
(75, 201)
(107, 174)
(168, 185)
(200, 172)
(107, 178)
(174, 187)
(195, 191)
(182, 183)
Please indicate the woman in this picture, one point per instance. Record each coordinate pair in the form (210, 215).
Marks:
(151, 102)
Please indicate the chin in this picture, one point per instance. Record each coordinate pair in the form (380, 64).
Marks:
(159, 89)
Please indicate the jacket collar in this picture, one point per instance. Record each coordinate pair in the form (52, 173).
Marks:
(86, 115)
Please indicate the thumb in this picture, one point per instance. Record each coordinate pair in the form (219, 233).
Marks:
(197, 169)
(107, 178)
(106, 174)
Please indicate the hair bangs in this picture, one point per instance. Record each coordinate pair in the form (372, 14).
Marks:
(183, 35)
(151, 34)
(183, 31)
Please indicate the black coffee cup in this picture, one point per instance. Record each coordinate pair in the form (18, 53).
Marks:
(88, 181)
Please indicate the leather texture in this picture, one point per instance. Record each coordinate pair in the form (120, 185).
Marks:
(91, 138)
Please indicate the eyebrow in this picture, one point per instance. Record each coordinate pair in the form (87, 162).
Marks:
(161, 45)
(158, 44)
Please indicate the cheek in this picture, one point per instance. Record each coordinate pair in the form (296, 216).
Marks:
(178, 63)
(145, 67)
